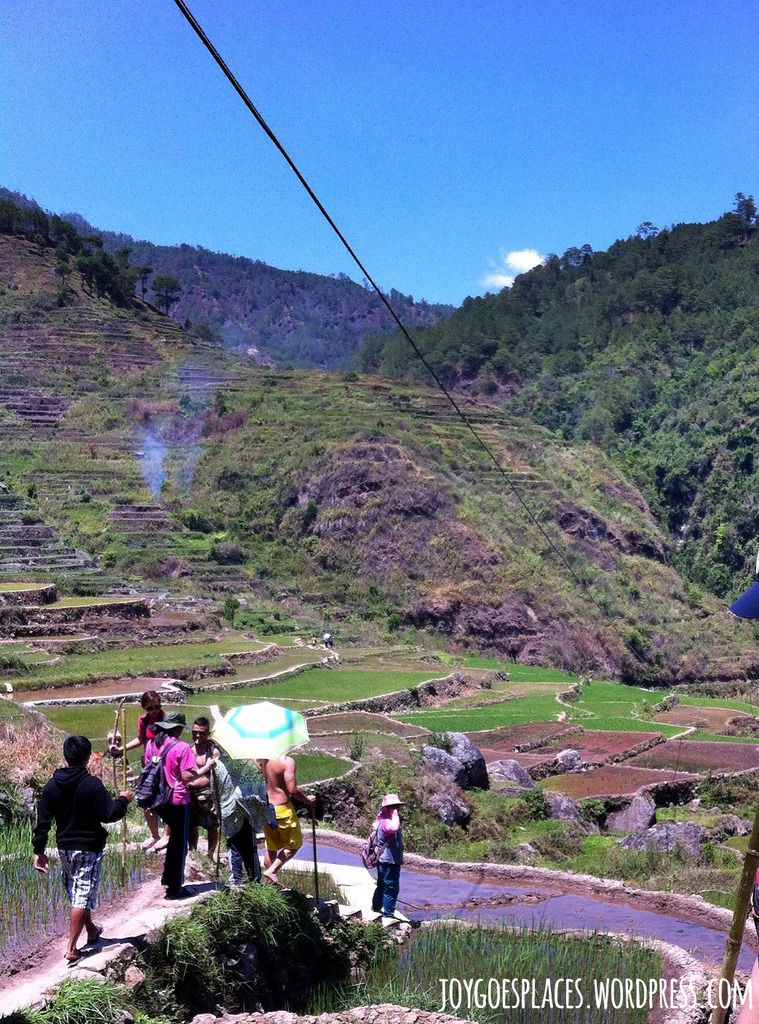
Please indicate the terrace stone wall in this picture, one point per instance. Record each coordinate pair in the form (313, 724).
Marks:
(42, 593)
(268, 653)
(423, 695)
(37, 620)
(384, 1013)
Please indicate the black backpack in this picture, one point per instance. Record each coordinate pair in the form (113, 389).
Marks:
(152, 790)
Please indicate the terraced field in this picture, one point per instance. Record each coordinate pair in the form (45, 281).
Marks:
(611, 780)
(699, 756)
(605, 706)
(710, 719)
(156, 659)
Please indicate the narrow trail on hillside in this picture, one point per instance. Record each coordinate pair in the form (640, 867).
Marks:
(133, 915)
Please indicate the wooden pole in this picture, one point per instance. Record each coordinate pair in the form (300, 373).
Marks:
(313, 837)
(217, 799)
(119, 709)
(124, 784)
(742, 902)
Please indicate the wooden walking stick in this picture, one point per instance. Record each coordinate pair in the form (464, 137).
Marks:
(124, 781)
(217, 799)
(112, 738)
(733, 947)
(313, 837)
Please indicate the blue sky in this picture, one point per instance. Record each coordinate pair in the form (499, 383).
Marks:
(442, 137)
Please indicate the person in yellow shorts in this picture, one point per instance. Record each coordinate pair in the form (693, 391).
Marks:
(284, 841)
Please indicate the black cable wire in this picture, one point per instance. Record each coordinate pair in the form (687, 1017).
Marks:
(396, 319)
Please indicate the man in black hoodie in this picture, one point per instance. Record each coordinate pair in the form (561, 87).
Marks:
(78, 802)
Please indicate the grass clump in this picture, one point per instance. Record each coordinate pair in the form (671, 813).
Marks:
(228, 952)
(76, 1002)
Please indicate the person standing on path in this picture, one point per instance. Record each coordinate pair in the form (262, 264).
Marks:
(179, 769)
(238, 819)
(284, 841)
(203, 809)
(79, 803)
(146, 731)
(389, 830)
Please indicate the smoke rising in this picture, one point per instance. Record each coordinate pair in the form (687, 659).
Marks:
(151, 458)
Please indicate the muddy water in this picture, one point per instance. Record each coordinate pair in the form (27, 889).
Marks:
(430, 894)
(103, 688)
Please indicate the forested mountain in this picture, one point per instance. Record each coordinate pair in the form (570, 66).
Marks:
(281, 317)
(649, 350)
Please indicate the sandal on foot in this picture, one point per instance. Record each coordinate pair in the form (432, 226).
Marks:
(71, 960)
(93, 942)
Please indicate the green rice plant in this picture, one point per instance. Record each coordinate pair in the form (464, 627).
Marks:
(145, 660)
(484, 952)
(355, 746)
(34, 904)
(442, 740)
(303, 882)
(76, 1002)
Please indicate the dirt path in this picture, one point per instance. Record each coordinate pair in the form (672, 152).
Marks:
(140, 912)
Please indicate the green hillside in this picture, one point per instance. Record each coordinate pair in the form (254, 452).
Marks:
(130, 450)
(648, 350)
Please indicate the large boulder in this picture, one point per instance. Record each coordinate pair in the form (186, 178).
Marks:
(561, 807)
(569, 760)
(564, 809)
(637, 816)
(471, 757)
(667, 837)
(449, 808)
(726, 826)
(525, 853)
(441, 762)
(510, 776)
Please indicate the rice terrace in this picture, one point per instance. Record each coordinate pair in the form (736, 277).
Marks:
(482, 566)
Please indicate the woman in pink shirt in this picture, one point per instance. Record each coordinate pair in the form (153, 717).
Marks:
(146, 731)
(389, 830)
(179, 768)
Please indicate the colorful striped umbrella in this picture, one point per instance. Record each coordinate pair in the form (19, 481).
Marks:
(260, 730)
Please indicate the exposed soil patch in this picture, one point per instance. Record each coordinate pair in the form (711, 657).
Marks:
(711, 719)
(699, 756)
(377, 747)
(611, 780)
(102, 688)
(515, 736)
(598, 747)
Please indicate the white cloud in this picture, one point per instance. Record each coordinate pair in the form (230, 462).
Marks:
(516, 262)
(498, 281)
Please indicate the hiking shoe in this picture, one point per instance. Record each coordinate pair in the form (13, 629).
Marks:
(178, 894)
